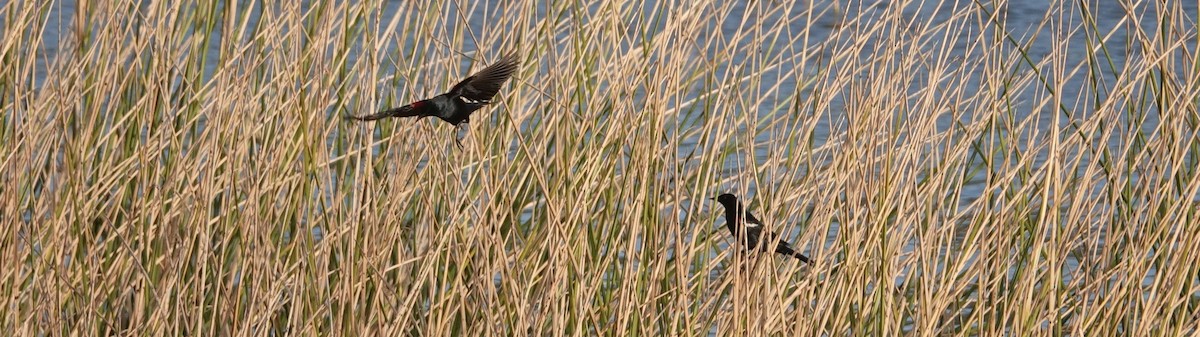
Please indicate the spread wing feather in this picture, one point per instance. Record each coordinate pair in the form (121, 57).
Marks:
(483, 85)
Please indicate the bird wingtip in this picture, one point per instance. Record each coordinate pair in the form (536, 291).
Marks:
(511, 57)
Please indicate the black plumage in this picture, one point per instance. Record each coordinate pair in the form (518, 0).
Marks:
(455, 106)
(738, 218)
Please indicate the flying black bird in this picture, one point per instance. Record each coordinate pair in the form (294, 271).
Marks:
(737, 218)
(456, 106)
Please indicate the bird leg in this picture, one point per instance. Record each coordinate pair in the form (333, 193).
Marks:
(461, 131)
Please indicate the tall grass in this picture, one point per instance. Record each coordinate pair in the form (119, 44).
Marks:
(181, 168)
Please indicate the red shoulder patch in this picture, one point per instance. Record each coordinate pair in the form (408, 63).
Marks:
(417, 104)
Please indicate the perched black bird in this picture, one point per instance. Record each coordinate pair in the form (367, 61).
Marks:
(737, 218)
(456, 106)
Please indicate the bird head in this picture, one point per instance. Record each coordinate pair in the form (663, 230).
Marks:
(727, 200)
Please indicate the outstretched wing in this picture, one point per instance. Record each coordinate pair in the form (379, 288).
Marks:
(483, 85)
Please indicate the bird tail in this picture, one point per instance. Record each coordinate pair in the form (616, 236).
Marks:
(785, 250)
(404, 111)
(801, 257)
(370, 117)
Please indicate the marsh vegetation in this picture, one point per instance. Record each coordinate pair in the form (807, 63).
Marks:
(971, 168)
